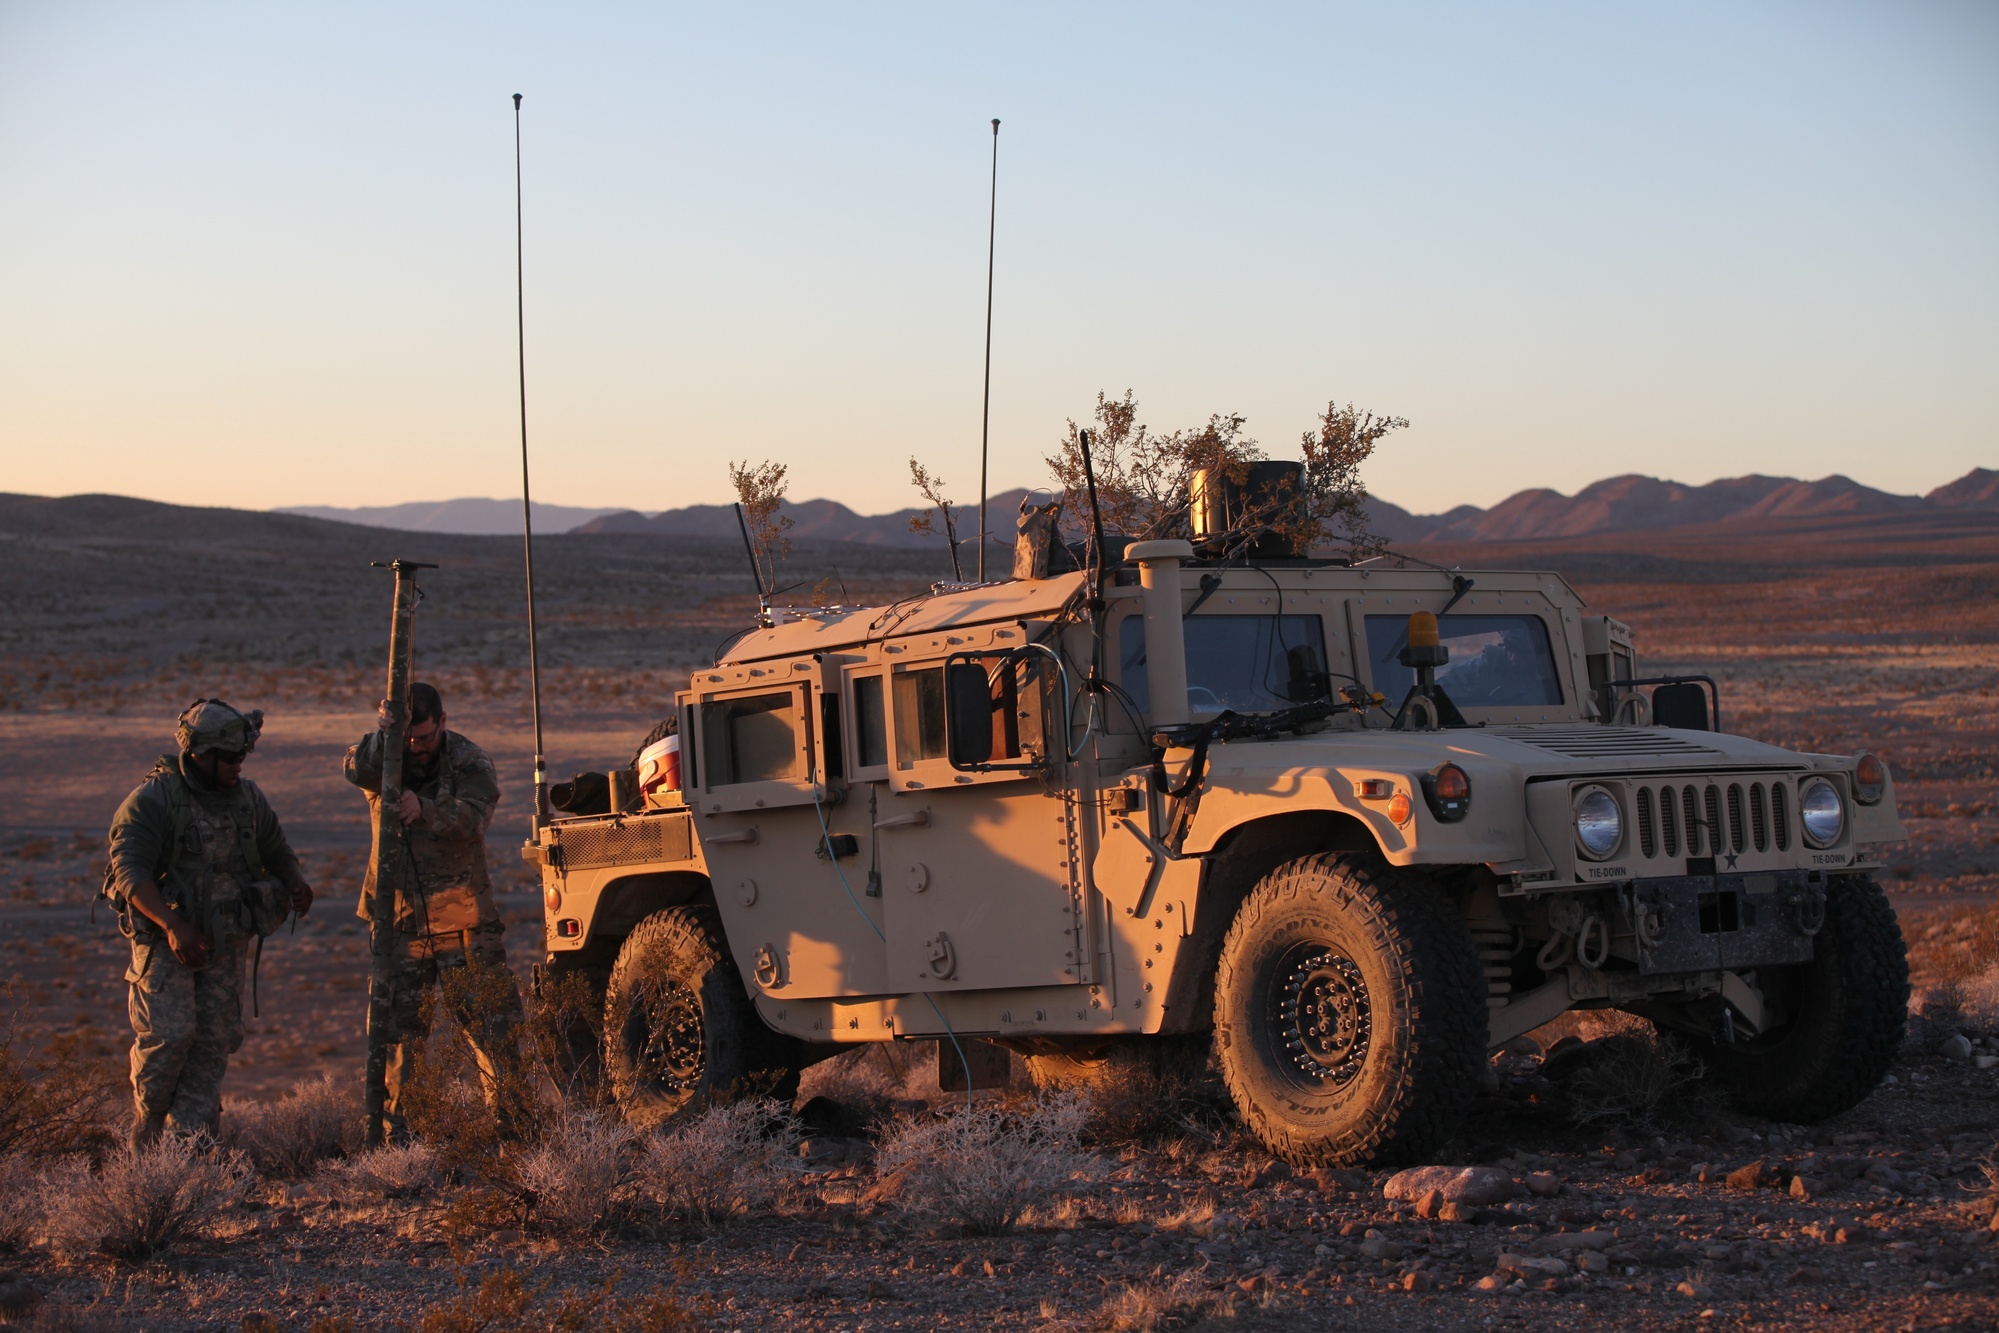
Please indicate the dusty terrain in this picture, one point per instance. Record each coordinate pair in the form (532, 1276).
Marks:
(1874, 633)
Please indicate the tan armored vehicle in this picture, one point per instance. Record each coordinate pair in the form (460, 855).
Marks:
(1356, 826)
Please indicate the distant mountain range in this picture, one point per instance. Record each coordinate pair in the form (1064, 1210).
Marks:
(470, 516)
(1618, 504)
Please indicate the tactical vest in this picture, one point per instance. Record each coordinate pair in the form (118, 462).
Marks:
(200, 889)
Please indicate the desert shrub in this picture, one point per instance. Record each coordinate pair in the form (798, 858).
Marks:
(18, 1200)
(468, 1113)
(393, 1171)
(564, 1036)
(574, 1177)
(727, 1160)
(137, 1205)
(982, 1165)
(288, 1138)
(1631, 1073)
(58, 1099)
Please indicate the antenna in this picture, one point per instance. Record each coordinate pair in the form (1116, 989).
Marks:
(527, 514)
(756, 570)
(986, 412)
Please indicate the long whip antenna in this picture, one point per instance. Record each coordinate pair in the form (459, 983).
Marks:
(986, 411)
(527, 513)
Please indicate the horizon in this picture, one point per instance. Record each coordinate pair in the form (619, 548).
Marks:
(255, 254)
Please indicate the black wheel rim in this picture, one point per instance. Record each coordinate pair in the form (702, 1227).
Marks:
(1321, 1023)
(663, 1037)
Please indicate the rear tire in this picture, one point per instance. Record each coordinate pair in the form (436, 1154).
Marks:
(680, 1032)
(1350, 1014)
(1851, 1004)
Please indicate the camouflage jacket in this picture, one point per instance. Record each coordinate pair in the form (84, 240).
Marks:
(172, 829)
(447, 841)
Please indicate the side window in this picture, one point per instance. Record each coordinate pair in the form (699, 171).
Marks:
(753, 738)
(1252, 664)
(919, 715)
(870, 723)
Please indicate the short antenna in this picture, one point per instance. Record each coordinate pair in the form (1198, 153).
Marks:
(986, 412)
(527, 513)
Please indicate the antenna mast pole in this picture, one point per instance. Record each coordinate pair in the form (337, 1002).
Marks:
(527, 514)
(986, 411)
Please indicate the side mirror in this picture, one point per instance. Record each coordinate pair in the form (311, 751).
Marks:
(1682, 705)
(969, 712)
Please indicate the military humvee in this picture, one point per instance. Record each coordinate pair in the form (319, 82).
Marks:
(1356, 827)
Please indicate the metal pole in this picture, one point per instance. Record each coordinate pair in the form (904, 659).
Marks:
(387, 858)
(527, 515)
(986, 411)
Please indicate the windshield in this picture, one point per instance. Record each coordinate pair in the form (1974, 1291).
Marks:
(1496, 661)
(1252, 664)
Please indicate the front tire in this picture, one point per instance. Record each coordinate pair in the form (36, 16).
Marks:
(1350, 1014)
(680, 1032)
(1850, 1006)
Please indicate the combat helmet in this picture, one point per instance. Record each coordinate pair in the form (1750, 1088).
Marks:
(210, 724)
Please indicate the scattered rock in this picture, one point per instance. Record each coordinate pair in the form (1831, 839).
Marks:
(1750, 1177)
(1589, 1261)
(879, 1291)
(1956, 1049)
(1419, 1280)
(1985, 1061)
(1698, 1290)
(1882, 1174)
(1810, 1274)
(1380, 1247)
(1476, 1185)
(1491, 1282)
(1544, 1184)
(1430, 1204)
(1804, 1187)
(1453, 1211)
(1533, 1265)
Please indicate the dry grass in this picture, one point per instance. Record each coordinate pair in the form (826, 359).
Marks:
(138, 1205)
(505, 1302)
(982, 1166)
(289, 1138)
(1151, 1307)
(393, 1171)
(726, 1161)
(574, 1177)
(54, 1101)
(1954, 968)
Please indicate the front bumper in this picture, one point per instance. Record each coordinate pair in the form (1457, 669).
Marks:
(1694, 923)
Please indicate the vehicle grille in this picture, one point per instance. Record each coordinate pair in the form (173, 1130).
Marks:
(1602, 742)
(624, 842)
(1712, 817)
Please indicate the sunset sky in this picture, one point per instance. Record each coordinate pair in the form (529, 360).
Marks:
(261, 255)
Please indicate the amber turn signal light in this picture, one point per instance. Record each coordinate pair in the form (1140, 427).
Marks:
(1870, 780)
(552, 897)
(1447, 791)
(1398, 809)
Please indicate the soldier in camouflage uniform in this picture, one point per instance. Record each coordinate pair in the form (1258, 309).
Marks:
(198, 866)
(450, 922)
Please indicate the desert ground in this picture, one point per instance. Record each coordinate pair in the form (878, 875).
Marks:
(1831, 635)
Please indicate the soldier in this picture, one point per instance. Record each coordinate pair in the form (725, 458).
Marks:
(197, 866)
(450, 920)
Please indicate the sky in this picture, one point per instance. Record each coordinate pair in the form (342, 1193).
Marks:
(259, 255)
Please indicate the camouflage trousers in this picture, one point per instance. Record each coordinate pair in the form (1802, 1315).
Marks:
(487, 1009)
(186, 1023)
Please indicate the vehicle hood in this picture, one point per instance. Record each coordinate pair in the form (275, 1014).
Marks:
(1579, 750)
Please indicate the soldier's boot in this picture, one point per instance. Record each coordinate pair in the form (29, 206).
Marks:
(146, 1130)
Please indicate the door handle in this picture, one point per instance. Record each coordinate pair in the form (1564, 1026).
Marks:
(916, 819)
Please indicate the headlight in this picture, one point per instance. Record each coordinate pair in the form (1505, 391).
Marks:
(1599, 823)
(1823, 813)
